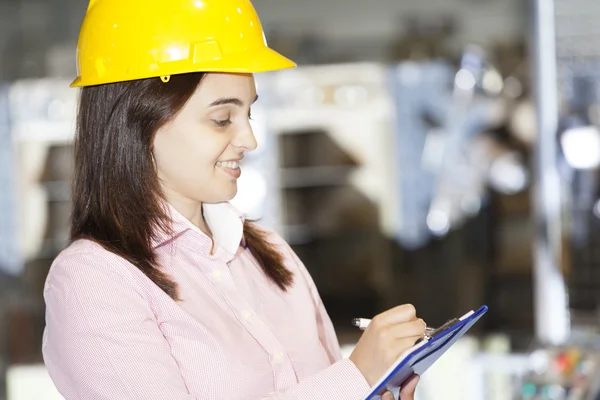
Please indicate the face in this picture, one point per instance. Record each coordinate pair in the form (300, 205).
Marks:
(198, 153)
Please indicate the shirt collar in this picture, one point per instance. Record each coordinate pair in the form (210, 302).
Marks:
(224, 220)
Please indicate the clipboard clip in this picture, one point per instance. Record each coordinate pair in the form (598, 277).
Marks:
(430, 333)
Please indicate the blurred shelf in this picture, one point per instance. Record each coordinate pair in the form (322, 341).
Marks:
(51, 247)
(58, 191)
(298, 234)
(301, 234)
(315, 176)
(57, 132)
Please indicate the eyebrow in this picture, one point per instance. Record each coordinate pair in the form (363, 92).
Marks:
(230, 100)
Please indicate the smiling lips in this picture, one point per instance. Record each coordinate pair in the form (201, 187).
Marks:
(230, 167)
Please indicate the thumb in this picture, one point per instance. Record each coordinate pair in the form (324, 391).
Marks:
(408, 390)
(388, 396)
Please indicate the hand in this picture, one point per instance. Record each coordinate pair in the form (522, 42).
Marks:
(407, 392)
(388, 336)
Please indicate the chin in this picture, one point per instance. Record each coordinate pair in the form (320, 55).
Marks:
(219, 191)
(227, 194)
(231, 197)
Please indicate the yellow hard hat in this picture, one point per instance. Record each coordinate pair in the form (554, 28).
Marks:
(122, 40)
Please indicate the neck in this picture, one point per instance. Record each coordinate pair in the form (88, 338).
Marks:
(192, 211)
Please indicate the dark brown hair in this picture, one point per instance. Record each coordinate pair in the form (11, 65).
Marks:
(117, 199)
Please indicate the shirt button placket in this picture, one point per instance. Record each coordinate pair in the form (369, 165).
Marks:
(278, 357)
(247, 315)
(218, 276)
(283, 371)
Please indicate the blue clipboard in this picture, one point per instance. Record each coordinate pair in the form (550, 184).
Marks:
(424, 354)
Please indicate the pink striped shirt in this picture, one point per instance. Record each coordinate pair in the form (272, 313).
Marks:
(111, 333)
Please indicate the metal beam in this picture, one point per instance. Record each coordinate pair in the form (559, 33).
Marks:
(552, 320)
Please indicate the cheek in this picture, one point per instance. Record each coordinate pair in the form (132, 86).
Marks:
(186, 157)
(172, 155)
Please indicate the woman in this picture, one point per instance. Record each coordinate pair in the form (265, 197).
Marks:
(165, 291)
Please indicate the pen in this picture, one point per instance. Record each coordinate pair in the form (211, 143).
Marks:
(363, 323)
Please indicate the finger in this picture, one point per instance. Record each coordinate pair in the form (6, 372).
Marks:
(387, 396)
(406, 343)
(408, 389)
(399, 347)
(406, 329)
(399, 314)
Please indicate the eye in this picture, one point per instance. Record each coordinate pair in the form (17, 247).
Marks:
(222, 123)
(250, 115)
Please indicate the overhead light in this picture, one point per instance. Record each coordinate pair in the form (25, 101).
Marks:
(493, 82)
(438, 222)
(508, 174)
(465, 80)
(512, 87)
(581, 147)
(596, 209)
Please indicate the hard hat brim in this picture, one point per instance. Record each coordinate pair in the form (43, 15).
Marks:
(255, 61)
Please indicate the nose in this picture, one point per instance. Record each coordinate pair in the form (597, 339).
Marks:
(245, 139)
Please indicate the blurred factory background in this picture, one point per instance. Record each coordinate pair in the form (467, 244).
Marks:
(443, 153)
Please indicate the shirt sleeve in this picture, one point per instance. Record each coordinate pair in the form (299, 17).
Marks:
(341, 380)
(101, 339)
